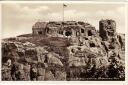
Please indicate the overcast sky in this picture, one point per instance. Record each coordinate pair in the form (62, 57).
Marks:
(18, 18)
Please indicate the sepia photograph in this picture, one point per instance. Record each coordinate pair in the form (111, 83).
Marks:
(63, 42)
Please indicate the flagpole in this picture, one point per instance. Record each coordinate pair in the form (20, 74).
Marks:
(63, 11)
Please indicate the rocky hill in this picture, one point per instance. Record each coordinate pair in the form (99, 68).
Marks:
(97, 55)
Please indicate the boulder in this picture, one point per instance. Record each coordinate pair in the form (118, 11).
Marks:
(54, 60)
(49, 76)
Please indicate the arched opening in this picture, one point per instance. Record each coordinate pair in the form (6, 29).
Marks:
(40, 32)
(82, 30)
(89, 33)
(72, 50)
(92, 45)
(68, 33)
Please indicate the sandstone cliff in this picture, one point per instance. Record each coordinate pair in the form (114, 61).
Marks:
(97, 56)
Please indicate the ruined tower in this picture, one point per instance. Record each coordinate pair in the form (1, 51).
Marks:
(39, 28)
(107, 29)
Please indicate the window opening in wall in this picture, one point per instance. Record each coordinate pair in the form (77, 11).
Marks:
(89, 33)
(82, 30)
(40, 32)
(92, 45)
(68, 33)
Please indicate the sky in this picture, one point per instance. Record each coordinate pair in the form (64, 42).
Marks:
(18, 18)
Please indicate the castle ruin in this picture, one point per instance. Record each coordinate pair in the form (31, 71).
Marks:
(65, 29)
(107, 29)
(66, 50)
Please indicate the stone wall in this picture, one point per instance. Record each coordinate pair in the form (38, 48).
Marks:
(65, 29)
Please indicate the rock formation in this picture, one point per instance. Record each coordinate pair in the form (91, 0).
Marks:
(66, 50)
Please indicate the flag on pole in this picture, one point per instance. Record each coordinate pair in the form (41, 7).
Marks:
(64, 5)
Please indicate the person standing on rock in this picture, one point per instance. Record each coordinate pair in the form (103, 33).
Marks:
(40, 71)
